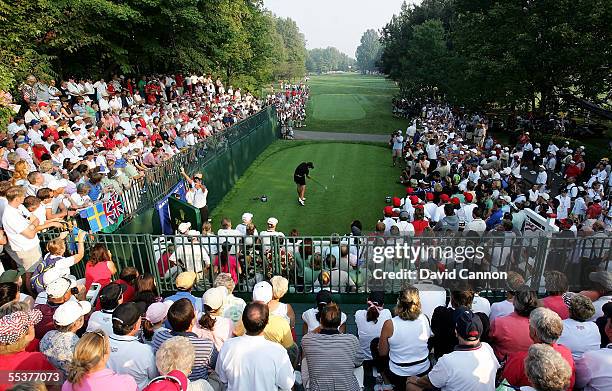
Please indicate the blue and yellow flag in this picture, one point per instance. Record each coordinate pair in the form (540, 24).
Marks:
(96, 217)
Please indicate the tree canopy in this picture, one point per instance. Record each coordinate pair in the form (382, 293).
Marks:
(369, 51)
(236, 39)
(327, 60)
(508, 53)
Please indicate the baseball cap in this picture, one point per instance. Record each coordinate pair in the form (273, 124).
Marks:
(409, 190)
(429, 196)
(262, 291)
(388, 210)
(11, 275)
(128, 313)
(468, 197)
(57, 184)
(414, 200)
(184, 227)
(112, 292)
(603, 278)
(70, 311)
(214, 298)
(545, 196)
(247, 217)
(444, 197)
(57, 288)
(185, 280)
(16, 325)
(324, 297)
(455, 201)
(467, 324)
(158, 311)
(272, 221)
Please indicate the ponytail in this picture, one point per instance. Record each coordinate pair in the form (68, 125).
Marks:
(88, 352)
(77, 371)
(372, 315)
(147, 330)
(206, 320)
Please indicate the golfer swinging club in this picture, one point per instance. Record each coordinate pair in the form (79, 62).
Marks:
(299, 177)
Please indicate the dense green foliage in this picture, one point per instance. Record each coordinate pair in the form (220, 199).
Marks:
(511, 53)
(237, 40)
(369, 52)
(328, 59)
(339, 166)
(352, 103)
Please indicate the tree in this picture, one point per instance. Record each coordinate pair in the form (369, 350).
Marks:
(328, 59)
(369, 51)
(294, 45)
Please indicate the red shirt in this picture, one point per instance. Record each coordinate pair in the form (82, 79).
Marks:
(419, 226)
(509, 334)
(514, 371)
(97, 273)
(163, 264)
(594, 211)
(556, 304)
(23, 361)
(572, 171)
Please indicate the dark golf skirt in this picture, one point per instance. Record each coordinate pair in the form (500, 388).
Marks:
(299, 180)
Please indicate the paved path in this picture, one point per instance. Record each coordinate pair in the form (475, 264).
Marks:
(323, 136)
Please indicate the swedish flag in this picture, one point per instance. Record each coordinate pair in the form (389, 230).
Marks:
(96, 217)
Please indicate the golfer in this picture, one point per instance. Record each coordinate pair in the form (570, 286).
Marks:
(299, 177)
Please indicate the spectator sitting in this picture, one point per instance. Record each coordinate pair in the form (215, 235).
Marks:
(16, 333)
(450, 222)
(109, 298)
(404, 340)
(240, 366)
(88, 369)
(545, 326)
(184, 284)
(579, 334)
(146, 291)
(593, 370)
(506, 307)
(58, 345)
(556, 285)
(178, 354)
(212, 325)
(129, 356)
(280, 286)
(510, 333)
(58, 290)
(127, 278)
(181, 317)
(546, 369)
(232, 305)
(330, 349)
(154, 319)
(227, 263)
(444, 340)
(471, 366)
(312, 316)
(370, 322)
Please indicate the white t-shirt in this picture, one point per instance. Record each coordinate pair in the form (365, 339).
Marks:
(598, 304)
(462, 370)
(310, 318)
(14, 223)
(480, 304)
(579, 337)
(593, 370)
(432, 296)
(367, 331)
(398, 142)
(502, 308)
(241, 367)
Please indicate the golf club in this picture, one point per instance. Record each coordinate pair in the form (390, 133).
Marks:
(318, 183)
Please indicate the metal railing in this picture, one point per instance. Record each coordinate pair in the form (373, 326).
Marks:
(361, 264)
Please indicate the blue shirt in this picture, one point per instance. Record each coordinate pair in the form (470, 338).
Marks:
(494, 219)
(95, 191)
(196, 301)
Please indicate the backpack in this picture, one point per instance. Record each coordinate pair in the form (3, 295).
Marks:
(173, 381)
(47, 263)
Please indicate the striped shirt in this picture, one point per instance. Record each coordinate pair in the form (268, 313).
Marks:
(205, 351)
(331, 360)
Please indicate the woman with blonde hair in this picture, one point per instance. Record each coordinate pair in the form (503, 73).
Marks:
(20, 174)
(404, 339)
(88, 371)
(280, 286)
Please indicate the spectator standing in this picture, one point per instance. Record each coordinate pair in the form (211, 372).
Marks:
(212, 325)
(110, 297)
(579, 334)
(240, 366)
(593, 370)
(184, 284)
(546, 369)
(232, 305)
(100, 266)
(178, 355)
(370, 322)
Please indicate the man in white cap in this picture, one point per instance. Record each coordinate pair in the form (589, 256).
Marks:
(271, 231)
(542, 178)
(247, 218)
(58, 345)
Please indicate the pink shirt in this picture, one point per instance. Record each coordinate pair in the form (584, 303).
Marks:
(510, 334)
(99, 273)
(105, 379)
(232, 264)
(555, 303)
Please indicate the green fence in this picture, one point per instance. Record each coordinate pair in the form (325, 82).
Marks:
(222, 158)
(361, 262)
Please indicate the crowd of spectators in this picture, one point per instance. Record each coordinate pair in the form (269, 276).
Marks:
(290, 103)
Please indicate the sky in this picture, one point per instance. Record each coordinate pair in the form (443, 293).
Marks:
(338, 23)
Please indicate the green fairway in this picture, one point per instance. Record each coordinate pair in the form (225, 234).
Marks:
(357, 176)
(352, 103)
